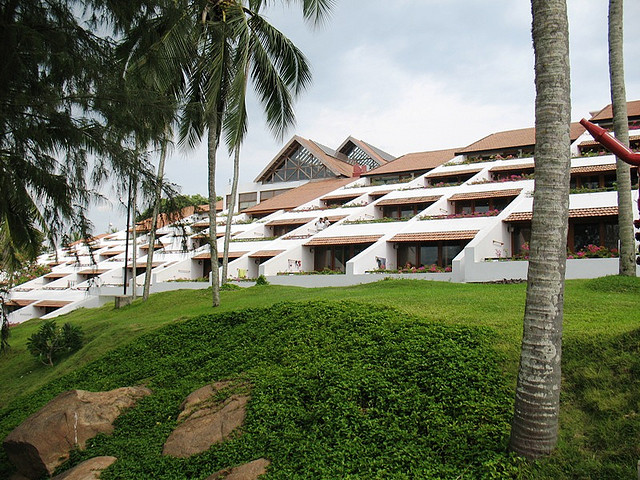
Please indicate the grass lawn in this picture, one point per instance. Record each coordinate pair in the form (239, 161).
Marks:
(599, 418)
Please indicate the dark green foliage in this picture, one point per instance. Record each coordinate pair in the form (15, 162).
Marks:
(50, 341)
(174, 205)
(339, 390)
(229, 286)
(262, 280)
(615, 284)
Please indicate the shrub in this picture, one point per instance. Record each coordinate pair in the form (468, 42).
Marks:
(262, 280)
(50, 341)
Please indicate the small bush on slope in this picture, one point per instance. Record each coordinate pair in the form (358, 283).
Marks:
(340, 390)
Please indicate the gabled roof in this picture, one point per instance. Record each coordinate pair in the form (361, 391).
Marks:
(606, 114)
(509, 139)
(297, 196)
(418, 161)
(337, 167)
(379, 156)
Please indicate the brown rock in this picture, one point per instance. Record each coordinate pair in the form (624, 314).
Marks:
(43, 441)
(87, 470)
(248, 471)
(205, 420)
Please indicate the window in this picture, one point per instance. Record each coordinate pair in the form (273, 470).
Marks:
(520, 236)
(404, 211)
(429, 253)
(451, 179)
(601, 232)
(335, 257)
(482, 205)
(355, 155)
(267, 194)
(300, 165)
(246, 200)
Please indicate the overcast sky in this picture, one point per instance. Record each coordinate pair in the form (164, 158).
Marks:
(417, 75)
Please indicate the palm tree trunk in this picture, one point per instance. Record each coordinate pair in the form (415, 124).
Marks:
(212, 146)
(627, 264)
(534, 428)
(134, 239)
(231, 208)
(154, 216)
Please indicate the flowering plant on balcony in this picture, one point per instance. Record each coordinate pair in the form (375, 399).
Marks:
(411, 269)
(444, 184)
(489, 213)
(594, 251)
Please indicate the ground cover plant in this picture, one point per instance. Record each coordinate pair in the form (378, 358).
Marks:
(340, 390)
(599, 421)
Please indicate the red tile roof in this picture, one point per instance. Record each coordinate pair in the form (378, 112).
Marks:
(352, 240)
(574, 213)
(454, 173)
(290, 221)
(409, 200)
(508, 168)
(93, 271)
(379, 193)
(633, 110)
(55, 275)
(611, 167)
(17, 302)
(298, 196)
(523, 137)
(414, 162)
(337, 167)
(51, 303)
(265, 253)
(434, 236)
(111, 253)
(342, 196)
(491, 194)
(207, 255)
(593, 143)
(336, 218)
(144, 265)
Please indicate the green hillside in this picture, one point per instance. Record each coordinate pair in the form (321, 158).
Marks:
(399, 379)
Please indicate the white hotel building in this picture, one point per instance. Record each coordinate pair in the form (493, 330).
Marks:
(460, 215)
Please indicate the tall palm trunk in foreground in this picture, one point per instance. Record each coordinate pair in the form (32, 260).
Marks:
(212, 146)
(534, 428)
(627, 263)
(231, 208)
(154, 215)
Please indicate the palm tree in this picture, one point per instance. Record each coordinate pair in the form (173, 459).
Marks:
(279, 72)
(535, 424)
(627, 265)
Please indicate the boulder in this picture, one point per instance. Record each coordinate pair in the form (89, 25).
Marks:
(248, 471)
(43, 441)
(207, 418)
(87, 470)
